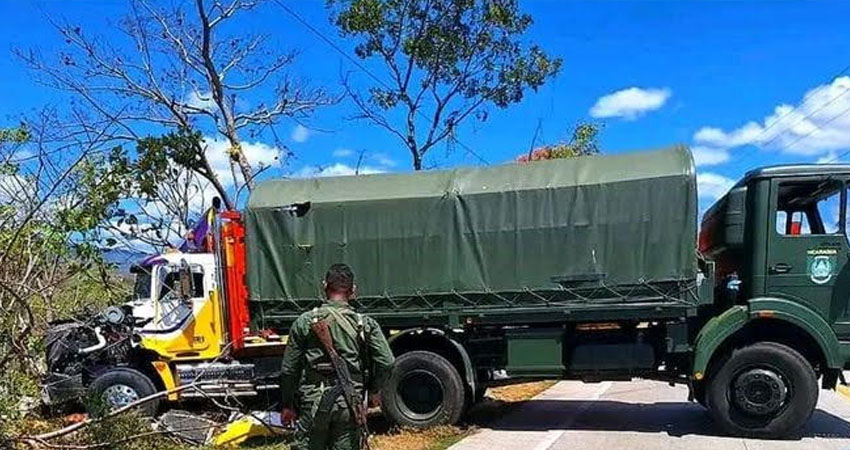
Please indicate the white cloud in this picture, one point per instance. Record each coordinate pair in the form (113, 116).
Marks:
(818, 126)
(713, 186)
(201, 100)
(342, 153)
(709, 156)
(831, 157)
(630, 103)
(300, 133)
(335, 170)
(383, 160)
(257, 153)
(16, 188)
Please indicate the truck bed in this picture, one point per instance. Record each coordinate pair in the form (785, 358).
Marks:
(585, 236)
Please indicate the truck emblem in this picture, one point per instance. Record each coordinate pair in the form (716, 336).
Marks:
(821, 268)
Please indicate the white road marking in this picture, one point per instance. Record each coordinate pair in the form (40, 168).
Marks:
(553, 435)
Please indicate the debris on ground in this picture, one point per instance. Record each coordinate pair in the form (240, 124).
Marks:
(242, 427)
(189, 427)
(74, 418)
(198, 429)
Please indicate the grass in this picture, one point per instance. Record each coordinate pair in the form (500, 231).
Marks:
(497, 402)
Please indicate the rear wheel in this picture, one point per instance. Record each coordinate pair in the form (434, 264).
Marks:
(764, 390)
(424, 390)
(120, 387)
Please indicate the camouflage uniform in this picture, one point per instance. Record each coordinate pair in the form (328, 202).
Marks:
(307, 375)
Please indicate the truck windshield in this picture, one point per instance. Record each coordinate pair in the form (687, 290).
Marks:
(173, 310)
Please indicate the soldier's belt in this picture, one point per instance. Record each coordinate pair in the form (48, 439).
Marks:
(315, 375)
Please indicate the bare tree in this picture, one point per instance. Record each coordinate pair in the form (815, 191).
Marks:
(180, 70)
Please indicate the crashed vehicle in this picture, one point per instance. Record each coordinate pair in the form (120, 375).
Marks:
(588, 268)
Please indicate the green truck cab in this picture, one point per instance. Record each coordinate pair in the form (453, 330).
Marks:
(778, 240)
(592, 268)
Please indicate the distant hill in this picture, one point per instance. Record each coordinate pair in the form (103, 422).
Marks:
(123, 258)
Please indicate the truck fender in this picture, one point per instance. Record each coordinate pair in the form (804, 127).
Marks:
(712, 335)
(804, 318)
(717, 330)
(469, 373)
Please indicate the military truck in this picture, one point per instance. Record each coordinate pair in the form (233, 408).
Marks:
(585, 268)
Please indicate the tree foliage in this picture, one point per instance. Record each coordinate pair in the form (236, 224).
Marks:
(583, 142)
(446, 61)
(50, 260)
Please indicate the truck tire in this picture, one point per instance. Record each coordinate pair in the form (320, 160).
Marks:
(764, 390)
(424, 390)
(119, 387)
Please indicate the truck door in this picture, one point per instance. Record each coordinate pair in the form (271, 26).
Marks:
(807, 249)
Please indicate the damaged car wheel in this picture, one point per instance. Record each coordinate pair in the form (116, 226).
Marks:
(120, 387)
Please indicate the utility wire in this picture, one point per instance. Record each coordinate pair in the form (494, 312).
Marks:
(754, 141)
(767, 128)
(818, 128)
(371, 75)
(809, 115)
(838, 158)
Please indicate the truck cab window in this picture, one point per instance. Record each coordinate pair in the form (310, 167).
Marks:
(810, 208)
(173, 309)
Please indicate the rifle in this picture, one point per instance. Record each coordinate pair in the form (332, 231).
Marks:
(352, 400)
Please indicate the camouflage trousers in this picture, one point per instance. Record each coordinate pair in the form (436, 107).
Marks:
(328, 427)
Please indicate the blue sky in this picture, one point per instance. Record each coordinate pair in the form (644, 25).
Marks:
(745, 84)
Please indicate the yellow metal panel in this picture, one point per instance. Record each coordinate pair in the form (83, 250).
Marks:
(201, 336)
(164, 370)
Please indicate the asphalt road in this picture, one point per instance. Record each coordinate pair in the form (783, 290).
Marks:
(640, 415)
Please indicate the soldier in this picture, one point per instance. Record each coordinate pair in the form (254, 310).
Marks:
(314, 374)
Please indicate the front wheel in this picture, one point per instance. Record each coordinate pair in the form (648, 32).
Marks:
(120, 387)
(424, 390)
(764, 390)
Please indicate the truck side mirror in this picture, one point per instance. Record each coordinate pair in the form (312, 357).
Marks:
(186, 281)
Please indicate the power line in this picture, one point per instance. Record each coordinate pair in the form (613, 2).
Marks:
(809, 115)
(838, 158)
(371, 75)
(840, 72)
(796, 108)
(819, 128)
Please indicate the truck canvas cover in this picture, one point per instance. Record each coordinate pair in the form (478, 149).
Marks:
(475, 237)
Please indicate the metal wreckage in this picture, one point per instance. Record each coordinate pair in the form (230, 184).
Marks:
(587, 268)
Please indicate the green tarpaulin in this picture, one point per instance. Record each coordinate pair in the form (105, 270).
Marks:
(625, 219)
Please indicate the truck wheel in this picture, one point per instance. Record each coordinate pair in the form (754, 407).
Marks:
(765, 390)
(120, 387)
(424, 390)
